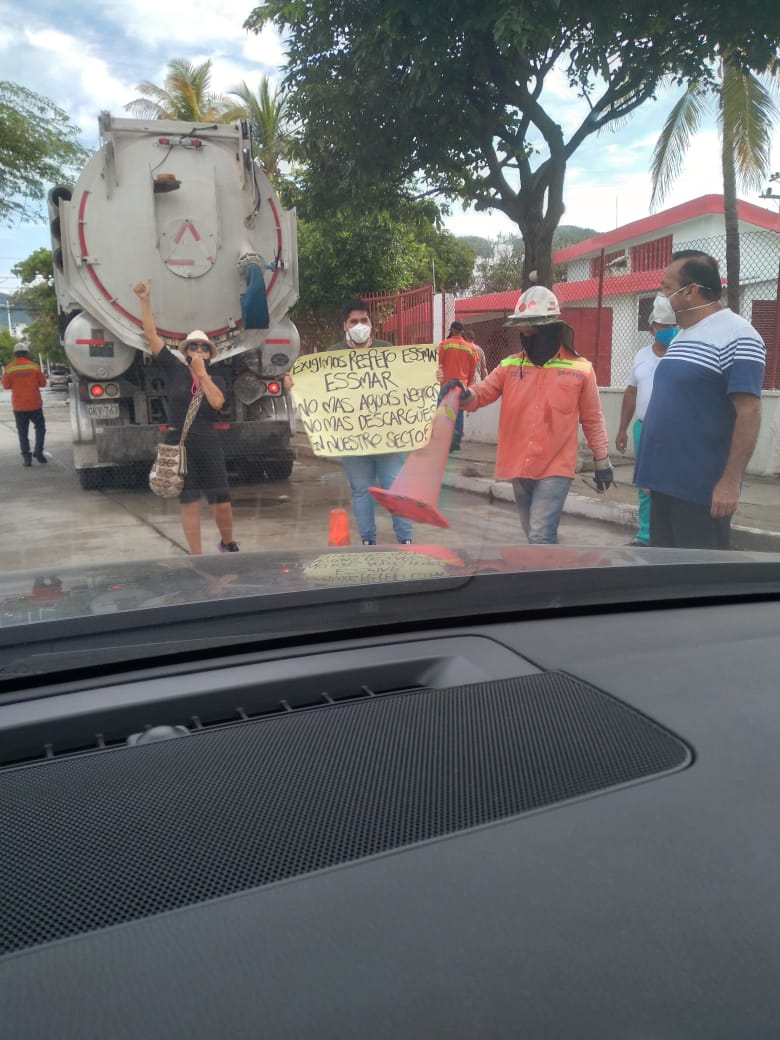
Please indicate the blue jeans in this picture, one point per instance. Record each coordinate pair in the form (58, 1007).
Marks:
(540, 504)
(365, 471)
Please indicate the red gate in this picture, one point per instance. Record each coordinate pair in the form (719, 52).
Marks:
(403, 318)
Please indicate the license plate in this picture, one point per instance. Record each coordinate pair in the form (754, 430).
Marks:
(107, 410)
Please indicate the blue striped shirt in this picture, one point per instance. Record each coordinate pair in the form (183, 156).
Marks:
(686, 435)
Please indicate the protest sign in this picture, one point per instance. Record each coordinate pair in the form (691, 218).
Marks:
(366, 402)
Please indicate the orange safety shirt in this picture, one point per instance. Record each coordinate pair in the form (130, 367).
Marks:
(457, 360)
(541, 409)
(23, 378)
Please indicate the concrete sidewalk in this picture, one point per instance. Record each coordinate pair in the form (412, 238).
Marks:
(756, 525)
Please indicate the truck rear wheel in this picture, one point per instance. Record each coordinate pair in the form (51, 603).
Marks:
(278, 470)
(90, 479)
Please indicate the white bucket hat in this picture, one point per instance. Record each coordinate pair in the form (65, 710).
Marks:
(199, 336)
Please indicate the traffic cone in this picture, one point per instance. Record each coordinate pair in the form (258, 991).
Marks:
(414, 493)
(338, 531)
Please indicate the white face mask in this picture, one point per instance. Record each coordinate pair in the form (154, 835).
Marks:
(699, 307)
(359, 333)
(663, 312)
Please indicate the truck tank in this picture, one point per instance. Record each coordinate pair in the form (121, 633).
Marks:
(187, 205)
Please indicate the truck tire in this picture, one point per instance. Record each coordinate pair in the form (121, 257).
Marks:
(278, 469)
(90, 479)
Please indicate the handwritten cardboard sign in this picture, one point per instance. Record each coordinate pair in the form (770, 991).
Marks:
(366, 402)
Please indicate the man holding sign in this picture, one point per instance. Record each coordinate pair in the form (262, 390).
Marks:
(367, 403)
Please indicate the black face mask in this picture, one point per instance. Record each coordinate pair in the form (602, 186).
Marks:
(543, 345)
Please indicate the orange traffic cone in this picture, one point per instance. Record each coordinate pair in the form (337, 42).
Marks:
(414, 493)
(338, 531)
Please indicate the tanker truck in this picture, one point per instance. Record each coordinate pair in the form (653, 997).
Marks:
(189, 206)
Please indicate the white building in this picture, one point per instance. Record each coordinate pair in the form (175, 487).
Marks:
(620, 271)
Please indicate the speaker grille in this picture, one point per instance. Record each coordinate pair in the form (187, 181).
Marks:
(97, 839)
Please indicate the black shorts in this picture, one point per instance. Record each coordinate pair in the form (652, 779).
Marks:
(206, 471)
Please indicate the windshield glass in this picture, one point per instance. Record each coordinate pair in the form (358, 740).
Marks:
(350, 318)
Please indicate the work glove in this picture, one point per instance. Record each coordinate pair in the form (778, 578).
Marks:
(451, 384)
(604, 475)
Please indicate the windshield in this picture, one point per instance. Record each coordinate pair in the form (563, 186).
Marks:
(339, 321)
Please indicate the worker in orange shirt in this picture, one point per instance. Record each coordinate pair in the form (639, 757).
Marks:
(458, 361)
(546, 391)
(24, 378)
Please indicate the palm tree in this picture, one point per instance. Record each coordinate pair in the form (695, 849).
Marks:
(185, 96)
(267, 111)
(746, 115)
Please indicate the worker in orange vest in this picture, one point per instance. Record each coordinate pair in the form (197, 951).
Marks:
(457, 360)
(24, 378)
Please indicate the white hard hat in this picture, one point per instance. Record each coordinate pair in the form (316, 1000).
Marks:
(662, 312)
(539, 306)
(22, 347)
(536, 306)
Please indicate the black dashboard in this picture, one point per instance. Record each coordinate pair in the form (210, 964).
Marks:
(541, 828)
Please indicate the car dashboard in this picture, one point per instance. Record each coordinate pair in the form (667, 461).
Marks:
(549, 827)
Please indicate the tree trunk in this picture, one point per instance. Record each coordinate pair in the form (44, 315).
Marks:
(730, 218)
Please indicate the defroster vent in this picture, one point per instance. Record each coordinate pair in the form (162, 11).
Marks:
(94, 840)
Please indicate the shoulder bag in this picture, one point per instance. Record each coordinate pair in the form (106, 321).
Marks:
(166, 477)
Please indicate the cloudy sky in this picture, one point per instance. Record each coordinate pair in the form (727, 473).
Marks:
(89, 57)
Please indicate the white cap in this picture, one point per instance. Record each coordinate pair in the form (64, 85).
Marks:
(662, 312)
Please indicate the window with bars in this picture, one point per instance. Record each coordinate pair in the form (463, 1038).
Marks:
(652, 256)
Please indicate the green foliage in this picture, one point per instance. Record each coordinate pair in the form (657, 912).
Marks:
(747, 113)
(7, 341)
(186, 94)
(482, 247)
(266, 111)
(38, 148)
(452, 91)
(38, 297)
(507, 272)
(351, 252)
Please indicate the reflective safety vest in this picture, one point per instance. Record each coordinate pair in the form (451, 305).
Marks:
(542, 408)
(23, 378)
(457, 360)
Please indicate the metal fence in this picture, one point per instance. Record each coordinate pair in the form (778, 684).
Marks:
(619, 289)
(607, 300)
(402, 318)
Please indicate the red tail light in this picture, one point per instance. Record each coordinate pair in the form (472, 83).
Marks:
(96, 390)
(274, 388)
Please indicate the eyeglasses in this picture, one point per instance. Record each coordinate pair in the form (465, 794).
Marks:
(204, 348)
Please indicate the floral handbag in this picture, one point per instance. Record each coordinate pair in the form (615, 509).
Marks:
(166, 477)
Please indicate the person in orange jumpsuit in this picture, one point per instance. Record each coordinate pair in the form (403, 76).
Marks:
(24, 378)
(547, 391)
(458, 361)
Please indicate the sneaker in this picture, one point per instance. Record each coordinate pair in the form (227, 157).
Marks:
(230, 547)
(27, 460)
(367, 541)
(41, 458)
(636, 541)
(406, 541)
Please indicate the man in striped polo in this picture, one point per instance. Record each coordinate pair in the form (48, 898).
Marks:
(547, 391)
(704, 413)
(24, 378)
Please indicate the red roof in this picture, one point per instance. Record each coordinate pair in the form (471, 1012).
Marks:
(614, 285)
(701, 207)
(504, 302)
